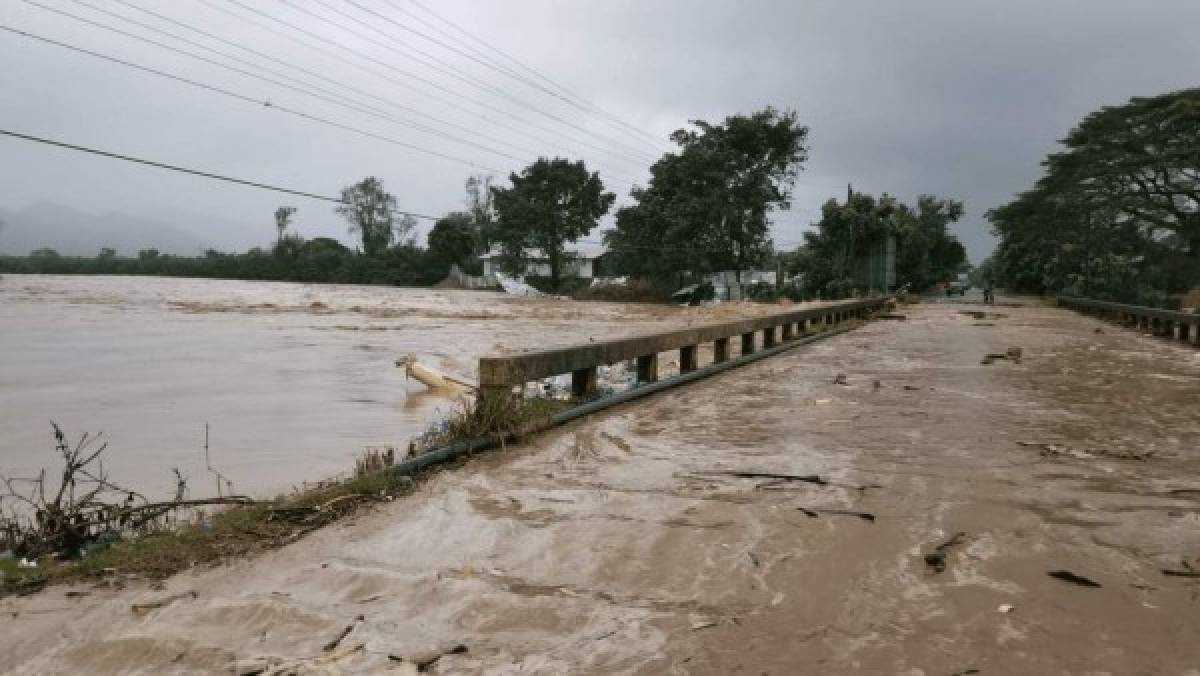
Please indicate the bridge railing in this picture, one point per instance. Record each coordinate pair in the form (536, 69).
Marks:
(1181, 326)
(499, 375)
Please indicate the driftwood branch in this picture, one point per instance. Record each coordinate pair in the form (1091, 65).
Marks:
(85, 505)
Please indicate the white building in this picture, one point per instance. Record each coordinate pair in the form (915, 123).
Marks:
(579, 260)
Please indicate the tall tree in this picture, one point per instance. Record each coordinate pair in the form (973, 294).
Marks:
(453, 239)
(926, 252)
(480, 205)
(550, 203)
(370, 211)
(1117, 211)
(283, 218)
(847, 234)
(706, 206)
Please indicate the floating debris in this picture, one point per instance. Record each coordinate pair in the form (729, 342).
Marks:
(1068, 576)
(937, 558)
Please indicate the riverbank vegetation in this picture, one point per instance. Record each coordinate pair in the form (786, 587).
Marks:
(705, 209)
(87, 528)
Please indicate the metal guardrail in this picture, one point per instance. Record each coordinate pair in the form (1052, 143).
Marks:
(498, 375)
(1181, 326)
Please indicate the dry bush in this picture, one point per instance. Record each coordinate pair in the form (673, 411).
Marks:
(373, 460)
(501, 417)
(38, 519)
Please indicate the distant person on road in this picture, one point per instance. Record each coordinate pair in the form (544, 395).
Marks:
(988, 297)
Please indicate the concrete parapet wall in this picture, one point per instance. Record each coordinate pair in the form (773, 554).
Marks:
(508, 371)
(1180, 326)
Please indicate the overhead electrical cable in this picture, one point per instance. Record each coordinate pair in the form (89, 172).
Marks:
(301, 89)
(193, 172)
(387, 78)
(432, 62)
(423, 80)
(306, 71)
(529, 69)
(487, 63)
(247, 99)
(325, 93)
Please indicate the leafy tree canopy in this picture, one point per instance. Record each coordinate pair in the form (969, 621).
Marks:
(833, 257)
(1117, 211)
(370, 211)
(454, 239)
(706, 206)
(551, 202)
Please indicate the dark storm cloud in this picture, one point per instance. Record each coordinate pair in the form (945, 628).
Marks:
(959, 99)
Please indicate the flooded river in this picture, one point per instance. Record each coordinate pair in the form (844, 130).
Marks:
(293, 379)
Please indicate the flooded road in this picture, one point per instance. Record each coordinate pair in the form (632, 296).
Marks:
(616, 545)
(293, 379)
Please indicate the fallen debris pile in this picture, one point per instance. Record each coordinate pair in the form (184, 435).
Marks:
(814, 512)
(936, 559)
(87, 510)
(90, 527)
(1013, 354)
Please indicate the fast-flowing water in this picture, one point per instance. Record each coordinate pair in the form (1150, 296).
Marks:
(294, 380)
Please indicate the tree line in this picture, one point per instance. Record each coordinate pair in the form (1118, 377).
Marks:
(705, 208)
(1116, 213)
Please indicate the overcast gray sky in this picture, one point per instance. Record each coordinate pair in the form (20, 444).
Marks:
(955, 98)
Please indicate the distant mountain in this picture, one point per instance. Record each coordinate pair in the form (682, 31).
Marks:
(76, 233)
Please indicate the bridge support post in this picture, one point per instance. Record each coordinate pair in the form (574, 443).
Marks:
(647, 368)
(687, 359)
(720, 350)
(583, 381)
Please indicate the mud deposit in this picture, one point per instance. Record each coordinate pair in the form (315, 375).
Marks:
(294, 379)
(623, 544)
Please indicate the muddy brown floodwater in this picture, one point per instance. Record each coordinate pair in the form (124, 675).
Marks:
(294, 379)
(612, 545)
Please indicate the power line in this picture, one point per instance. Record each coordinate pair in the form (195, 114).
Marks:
(484, 62)
(328, 96)
(426, 81)
(325, 94)
(308, 45)
(519, 64)
(248, 99)
(193, 172)
(306, 71)
(458, 74)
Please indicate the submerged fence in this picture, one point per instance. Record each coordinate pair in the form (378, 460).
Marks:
(499, 375)
(1180, 326)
